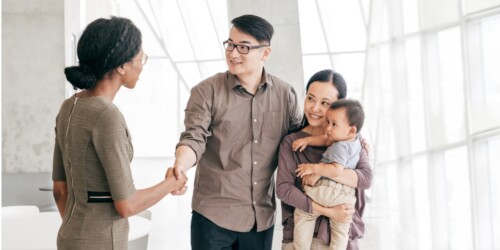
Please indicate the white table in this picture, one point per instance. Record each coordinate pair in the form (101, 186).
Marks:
(40, 231)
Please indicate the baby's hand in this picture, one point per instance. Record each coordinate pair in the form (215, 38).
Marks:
(299, 144)
(305, 169)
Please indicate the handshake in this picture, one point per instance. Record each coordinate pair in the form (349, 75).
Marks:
(177, 181)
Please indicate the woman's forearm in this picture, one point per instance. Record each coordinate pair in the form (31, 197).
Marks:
(60, 192)
(348, 177)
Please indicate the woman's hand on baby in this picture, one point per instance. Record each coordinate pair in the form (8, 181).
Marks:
(305, 169)
(366, 145)
(299, 144)
(341, 213)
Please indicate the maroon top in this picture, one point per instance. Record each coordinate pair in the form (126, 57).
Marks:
(288, 189)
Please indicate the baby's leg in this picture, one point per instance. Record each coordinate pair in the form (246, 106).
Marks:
(303, 230)
(340, 231)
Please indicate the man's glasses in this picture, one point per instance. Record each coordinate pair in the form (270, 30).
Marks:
(241, 48)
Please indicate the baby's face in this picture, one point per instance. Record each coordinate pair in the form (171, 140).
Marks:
(338, 128)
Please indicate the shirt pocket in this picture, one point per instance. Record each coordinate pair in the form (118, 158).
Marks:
(271, 127)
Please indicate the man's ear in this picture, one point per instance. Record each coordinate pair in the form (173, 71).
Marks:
(267, 52)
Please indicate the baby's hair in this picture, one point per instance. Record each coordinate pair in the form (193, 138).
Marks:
(354, 111)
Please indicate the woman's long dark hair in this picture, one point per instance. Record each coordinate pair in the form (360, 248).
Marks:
(326, 76)
(104, 45)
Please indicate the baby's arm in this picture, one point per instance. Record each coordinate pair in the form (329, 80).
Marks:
(317, 140)
(332, 169)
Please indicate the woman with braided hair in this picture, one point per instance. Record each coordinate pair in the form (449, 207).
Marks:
(93, 186)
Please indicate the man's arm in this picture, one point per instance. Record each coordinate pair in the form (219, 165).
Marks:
(185, 158)
(197, 122)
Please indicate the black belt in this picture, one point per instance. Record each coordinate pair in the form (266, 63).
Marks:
(99, 197)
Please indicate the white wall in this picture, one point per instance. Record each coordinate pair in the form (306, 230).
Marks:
(32, 82)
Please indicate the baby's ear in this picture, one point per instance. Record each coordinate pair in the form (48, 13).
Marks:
(353, 130)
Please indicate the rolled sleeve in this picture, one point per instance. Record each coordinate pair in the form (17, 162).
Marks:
(197, 120)
(364, 171)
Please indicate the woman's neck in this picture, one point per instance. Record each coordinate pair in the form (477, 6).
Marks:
(314, 130)
(106, 88)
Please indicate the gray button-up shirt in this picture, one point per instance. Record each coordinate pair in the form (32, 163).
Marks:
(236, 136)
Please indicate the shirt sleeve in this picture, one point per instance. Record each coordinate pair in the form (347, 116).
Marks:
(364, 170)
(294, 110)
(58, 173)
(198, 118)
(286, 178)
(112, 146)
(338, 153)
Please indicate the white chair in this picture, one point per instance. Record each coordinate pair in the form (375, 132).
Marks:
(19, 211)
(141, 243)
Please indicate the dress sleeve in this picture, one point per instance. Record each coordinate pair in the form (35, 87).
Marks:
(198, 118)
(113, 148)
(58, 173)
(286, 179)
(364, 171)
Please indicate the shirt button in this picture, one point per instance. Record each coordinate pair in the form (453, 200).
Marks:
(255, 183)
(254, 202)
(254, 163)
(254, 120)
(255, 141)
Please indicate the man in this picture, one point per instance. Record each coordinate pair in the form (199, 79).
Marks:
(234, 124)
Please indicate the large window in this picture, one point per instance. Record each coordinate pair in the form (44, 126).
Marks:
(184, 42)
(432, 94)
(333, 36)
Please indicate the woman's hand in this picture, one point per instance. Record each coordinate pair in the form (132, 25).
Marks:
(310, 180)
(340, 213)
(178, 183)
(366, 145)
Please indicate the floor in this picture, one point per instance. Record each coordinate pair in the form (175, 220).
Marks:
(172, 215)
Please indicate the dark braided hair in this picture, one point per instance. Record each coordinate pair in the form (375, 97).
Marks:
(104, 45)
(326, 76)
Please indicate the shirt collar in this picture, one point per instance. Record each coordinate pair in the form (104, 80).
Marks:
(234, 82)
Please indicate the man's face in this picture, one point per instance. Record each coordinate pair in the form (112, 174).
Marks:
(245, 64)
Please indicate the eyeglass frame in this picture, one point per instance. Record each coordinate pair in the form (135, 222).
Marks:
(236, 46)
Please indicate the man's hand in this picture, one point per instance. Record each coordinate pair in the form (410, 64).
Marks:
(178, 182)
(299, 144)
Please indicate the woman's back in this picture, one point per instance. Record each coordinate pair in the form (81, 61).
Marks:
(93, 152)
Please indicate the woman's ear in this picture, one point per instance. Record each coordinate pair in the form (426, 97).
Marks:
(120, 70)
